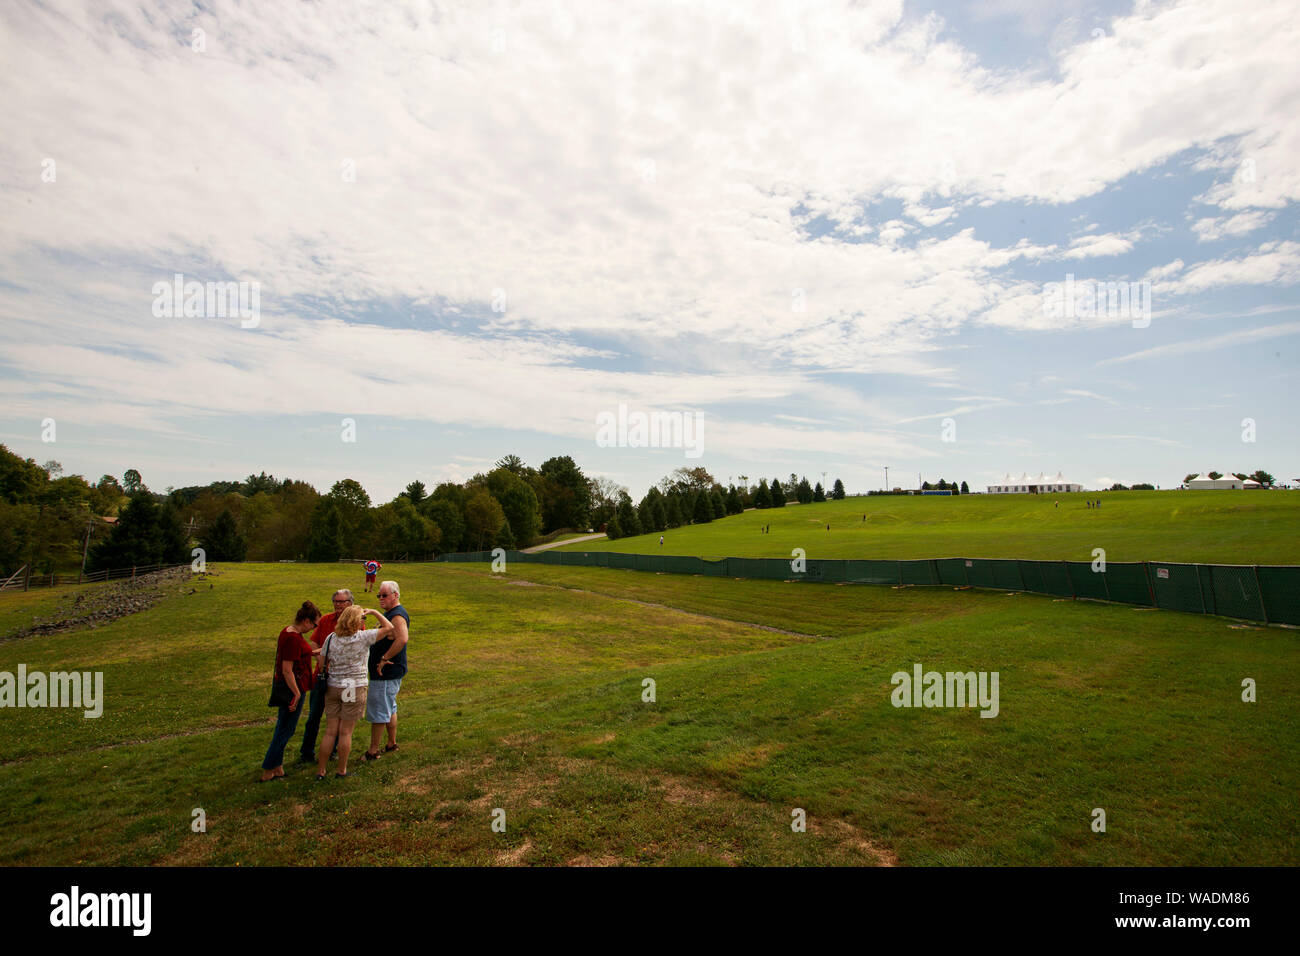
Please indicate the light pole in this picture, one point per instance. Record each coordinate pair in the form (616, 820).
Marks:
(886, 477)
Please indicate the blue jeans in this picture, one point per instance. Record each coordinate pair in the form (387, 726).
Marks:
(312, 728)
(285, 725)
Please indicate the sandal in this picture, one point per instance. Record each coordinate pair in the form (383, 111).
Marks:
(390, 748)
(320, 777)
(348, 774)
(370, 756)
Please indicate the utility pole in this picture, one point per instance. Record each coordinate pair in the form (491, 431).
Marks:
(86, 550)
(886, 477)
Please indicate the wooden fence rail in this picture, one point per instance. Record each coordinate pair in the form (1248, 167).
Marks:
(30, 580)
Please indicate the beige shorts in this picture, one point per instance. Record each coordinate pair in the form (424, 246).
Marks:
(336, 706)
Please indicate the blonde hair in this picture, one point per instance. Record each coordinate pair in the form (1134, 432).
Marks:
(349, 622)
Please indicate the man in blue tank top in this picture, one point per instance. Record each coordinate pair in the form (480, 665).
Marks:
(387, 668)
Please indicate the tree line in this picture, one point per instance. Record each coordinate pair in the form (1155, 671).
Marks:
(50, 521)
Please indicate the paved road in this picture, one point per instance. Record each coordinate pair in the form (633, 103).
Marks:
(556, 544)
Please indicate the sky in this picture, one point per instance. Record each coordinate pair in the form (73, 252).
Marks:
(842, 237)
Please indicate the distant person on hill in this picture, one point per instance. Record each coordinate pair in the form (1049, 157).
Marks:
(372, 568)
(343, 661)
(342, 600)
(661, 541)
(291, 678)
(387, 668)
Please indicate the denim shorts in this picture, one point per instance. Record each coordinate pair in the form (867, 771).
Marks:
(381, 701)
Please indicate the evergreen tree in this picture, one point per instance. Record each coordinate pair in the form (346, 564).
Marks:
(763, 497)
(173, 543)
(804, 492)
(734, 504)
(837, 492)
(628, 522)
(703, 509)
(612, 529)
(144, 534)
(660, 514)
(416, 492)
(778, 494)
(819, 493)
(222, 540)
(564, 493)
(673, 510)
(965, 489)
(719, 505)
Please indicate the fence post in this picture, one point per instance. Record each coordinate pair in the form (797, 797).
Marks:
(1151, 591)
(1260, 591)
(133, 573)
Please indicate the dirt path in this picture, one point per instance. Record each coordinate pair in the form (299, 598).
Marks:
(556, 544)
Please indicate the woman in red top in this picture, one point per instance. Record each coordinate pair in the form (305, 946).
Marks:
(293, 656)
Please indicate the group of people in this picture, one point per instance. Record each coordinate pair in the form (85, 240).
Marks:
(358, 672)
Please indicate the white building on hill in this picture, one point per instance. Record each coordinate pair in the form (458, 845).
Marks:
(1228, 480)
(1024, 485)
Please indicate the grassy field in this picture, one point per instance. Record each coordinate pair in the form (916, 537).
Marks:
(526, 694)
(1209, 527)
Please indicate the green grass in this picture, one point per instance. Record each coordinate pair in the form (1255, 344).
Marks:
(528, 698)
(1208, 527)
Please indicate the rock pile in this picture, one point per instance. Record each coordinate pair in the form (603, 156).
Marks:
(99, 606)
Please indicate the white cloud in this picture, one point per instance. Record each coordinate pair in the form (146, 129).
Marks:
(1228, 340)
(1212, 228)
(1090, 246)
(1273, 263)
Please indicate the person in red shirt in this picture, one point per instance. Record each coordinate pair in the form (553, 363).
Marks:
(293, 654)
(316, 703)
(372, 568)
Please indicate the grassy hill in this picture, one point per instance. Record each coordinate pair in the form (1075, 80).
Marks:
(1209, 527)
(526, 694)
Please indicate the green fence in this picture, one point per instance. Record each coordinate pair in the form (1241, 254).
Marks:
(1254, 593)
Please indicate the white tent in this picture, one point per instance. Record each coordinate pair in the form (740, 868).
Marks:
(1204, 481)
(1042, 485)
